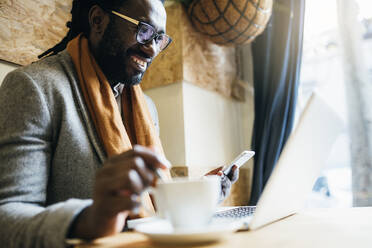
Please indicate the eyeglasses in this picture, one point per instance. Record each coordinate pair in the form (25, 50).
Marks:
(146, 33)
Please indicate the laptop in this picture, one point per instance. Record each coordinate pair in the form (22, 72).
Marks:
(297, 169)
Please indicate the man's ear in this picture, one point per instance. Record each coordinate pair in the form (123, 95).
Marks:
(98, 20)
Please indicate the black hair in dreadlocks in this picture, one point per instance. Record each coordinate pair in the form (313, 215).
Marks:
(79, 21)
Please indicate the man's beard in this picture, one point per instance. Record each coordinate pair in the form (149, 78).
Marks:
(112, 56)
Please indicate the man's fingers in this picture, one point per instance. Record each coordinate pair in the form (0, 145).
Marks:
(121, 203)
(135, 182)
(147, 175)
(233, 174)
(214, 171)
(113, 204)
(225, 187)
(125, 179)
(152, 158)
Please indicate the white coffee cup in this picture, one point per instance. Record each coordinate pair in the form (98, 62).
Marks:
(187, 203)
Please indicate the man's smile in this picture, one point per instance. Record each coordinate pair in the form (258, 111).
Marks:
(140, 64)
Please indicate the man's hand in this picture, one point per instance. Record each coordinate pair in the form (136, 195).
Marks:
(118, 186)
(226, 180)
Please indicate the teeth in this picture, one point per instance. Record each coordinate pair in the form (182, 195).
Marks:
(138, 61)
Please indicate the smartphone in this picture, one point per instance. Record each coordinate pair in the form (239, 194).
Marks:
(238, 161)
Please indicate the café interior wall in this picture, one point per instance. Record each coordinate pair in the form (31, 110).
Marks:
(201, 129)
(216, 129)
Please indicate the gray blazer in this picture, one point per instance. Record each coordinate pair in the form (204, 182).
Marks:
(49, 153)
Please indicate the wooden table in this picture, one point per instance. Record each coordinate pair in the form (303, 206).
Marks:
(349, 227)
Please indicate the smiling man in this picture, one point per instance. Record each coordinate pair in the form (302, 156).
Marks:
(122, 58)
(79, 140)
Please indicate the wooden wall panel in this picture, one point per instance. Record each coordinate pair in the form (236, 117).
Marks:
(191, 58)
(29, 27)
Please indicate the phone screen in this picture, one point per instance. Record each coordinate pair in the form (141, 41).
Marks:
(238, 161)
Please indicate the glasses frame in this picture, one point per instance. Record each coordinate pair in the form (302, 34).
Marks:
(138, 23)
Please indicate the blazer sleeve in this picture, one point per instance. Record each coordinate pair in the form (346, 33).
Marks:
(26, 151)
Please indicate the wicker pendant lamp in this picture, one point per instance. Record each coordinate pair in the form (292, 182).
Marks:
(230, 22)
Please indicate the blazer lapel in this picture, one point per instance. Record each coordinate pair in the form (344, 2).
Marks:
(79, 101)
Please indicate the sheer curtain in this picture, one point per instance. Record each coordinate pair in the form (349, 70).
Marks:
(358, 86)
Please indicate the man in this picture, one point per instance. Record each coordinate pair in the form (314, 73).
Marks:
(76, 125)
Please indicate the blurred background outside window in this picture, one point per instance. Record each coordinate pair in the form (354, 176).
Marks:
(322, 70)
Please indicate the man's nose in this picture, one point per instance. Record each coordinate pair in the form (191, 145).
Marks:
(150, 48)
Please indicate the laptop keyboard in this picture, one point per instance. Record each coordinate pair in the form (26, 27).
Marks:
(236, 213)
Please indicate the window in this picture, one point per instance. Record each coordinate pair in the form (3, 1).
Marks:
(322, 69)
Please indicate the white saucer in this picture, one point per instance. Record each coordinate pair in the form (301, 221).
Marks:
(161, 231)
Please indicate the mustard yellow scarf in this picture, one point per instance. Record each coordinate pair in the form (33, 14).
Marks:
(116, 136)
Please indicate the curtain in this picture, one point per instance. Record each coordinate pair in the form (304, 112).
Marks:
(359, 99)
(277, 61)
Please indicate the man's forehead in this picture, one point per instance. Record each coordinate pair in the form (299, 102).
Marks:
(149, 11)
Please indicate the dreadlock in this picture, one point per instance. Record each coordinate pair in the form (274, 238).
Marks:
(79, 21)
